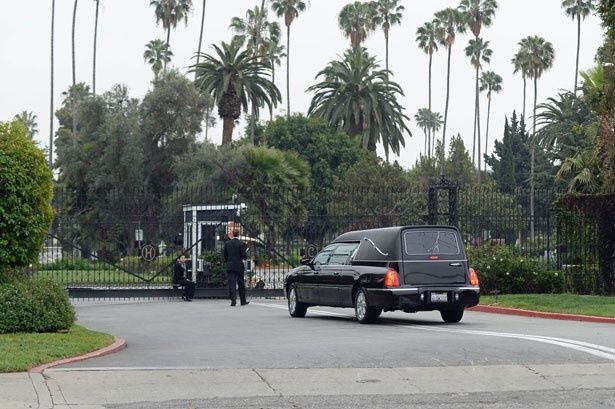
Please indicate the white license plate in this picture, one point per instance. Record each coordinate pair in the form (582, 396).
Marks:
(439, 297)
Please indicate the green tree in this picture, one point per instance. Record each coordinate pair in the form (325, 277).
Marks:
(479, 52)
(157, 54)
(358, 97)
(520, 63)
(452, 23)
(94, 48)
(357, 21)
(459, 166)
(29, 120)
(429, 122)
(387, 13)
(234, 79)
(490, 82)
(427, 38)
(540, 58)
(254, 30)
(578, 9)
(25, 200)
(290, 10)
(171, 12)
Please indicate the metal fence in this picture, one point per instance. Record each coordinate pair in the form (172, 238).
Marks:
(124, 244)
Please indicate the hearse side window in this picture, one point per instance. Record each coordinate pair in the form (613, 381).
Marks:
(322, 258)
(342, 253)
(427, 242)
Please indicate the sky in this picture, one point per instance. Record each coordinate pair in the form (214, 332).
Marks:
(125, 26)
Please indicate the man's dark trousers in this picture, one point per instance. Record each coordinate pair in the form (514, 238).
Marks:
(236, 281)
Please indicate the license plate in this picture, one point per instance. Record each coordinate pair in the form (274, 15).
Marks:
(439, 297)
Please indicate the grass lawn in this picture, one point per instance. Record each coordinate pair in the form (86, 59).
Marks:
(20, 352)
(563, 303)
(100, 277)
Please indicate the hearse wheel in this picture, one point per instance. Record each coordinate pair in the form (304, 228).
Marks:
(295, 308)
(452, 315)
(365, 314)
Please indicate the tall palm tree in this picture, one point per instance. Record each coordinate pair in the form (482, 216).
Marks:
(387, 13)
(479, 52)
(198, 52)
(427, 38)
(478, 14)
(540, 55)
(520, 64)
(358, 97)
(170, 13)
(357, 21)
(274, 53)
(29, 120)
(74, 108)
(53, 14)
(157, 54)
(253, 30)
(94, 53)
(290, 9)
(452, 22)
(435, 123)
(422, 118)
(490, 82)
(578, 9)
(235, 79)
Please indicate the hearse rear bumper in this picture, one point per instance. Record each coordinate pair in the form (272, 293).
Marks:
(423, 298)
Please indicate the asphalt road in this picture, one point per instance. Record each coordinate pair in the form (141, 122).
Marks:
(206, 354)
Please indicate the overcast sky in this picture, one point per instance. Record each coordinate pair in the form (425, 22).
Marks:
(125, 26)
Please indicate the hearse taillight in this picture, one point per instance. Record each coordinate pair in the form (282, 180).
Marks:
(391, 279)
(473, 277)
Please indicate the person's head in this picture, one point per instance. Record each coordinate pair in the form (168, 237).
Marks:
(182, 259)
(235, 233)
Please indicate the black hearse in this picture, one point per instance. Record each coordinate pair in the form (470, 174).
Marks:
(409, 268)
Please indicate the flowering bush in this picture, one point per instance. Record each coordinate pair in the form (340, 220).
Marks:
(501, 268)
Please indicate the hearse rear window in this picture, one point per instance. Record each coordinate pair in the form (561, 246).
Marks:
(427, 242)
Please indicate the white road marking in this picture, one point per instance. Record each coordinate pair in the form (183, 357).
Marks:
(586, 347)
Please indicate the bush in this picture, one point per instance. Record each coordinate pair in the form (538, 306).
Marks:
(31, 305)
(500, 268)
(71, 264)
(25, 197)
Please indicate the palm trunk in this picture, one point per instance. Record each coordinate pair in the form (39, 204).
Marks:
(94, 54)
(478, 141)
(228, 124)
(73, 107)
(53, 11)
(524, 89)
(487, 131)
(429, 105)
(164, 68)
(448, 89)
(198, 55)
(288, 71)
(533, 159)
(426, 144)
(576, 71)
(386, 42)
(474, 132)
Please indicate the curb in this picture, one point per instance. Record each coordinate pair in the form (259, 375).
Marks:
(117, 346)
(540, 314)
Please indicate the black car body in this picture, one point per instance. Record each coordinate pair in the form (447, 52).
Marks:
(409, 268)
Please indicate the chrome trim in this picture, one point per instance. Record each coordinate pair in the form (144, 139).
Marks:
(376, 247)
(395, 290)
(413, 261)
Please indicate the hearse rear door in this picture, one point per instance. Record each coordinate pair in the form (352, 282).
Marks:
(433, 256)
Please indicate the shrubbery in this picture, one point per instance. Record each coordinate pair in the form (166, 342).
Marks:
(31, 305)
(501, 268)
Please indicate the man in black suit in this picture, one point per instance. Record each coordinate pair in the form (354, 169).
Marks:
(180, 277)
(234, 254)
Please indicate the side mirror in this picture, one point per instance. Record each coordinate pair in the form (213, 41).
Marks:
(306, 261)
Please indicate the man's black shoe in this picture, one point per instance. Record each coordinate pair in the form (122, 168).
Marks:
(233, 303)
(245, 303)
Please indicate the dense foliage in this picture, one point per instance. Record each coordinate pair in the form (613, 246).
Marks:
(25, 197)
(34, 306)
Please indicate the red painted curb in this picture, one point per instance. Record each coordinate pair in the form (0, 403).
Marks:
(540, 314)
(117, 346)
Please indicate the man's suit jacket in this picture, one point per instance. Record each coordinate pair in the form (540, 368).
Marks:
(234, 254)
(179, 272)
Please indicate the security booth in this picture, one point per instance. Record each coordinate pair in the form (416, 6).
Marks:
(205, 227)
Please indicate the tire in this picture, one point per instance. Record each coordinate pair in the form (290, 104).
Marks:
(364, 313)
(296, 309)
(453, 315)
